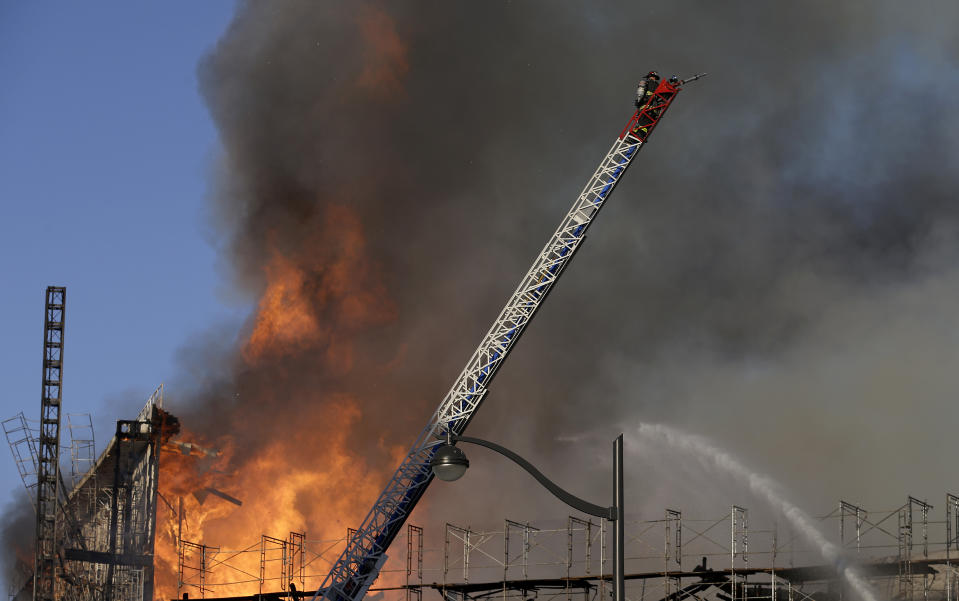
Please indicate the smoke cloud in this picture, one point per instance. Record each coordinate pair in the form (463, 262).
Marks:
(18, 530)
(785, 244)
(808, 181)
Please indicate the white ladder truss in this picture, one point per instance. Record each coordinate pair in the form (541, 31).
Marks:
(358, 566)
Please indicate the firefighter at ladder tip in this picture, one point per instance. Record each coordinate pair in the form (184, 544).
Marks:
(645, 89)
(645, 96)
(647, 86)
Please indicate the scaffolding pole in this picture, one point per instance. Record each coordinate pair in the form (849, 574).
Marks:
(772, 563)
(205, 553)
(739, 539)
(673, 550)
(587, 525)
(266, 550)
(297, 542)
(906, 541)
(526, 529)
(952, 540)
(464, 535)
(860, 515)
(414, 568)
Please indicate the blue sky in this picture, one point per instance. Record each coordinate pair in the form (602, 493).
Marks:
(105, 151)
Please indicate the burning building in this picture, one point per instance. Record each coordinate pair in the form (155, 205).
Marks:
(105, 534)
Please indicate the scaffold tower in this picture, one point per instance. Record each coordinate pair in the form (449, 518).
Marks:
(48, 464)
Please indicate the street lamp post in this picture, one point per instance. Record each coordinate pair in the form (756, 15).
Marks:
(450, 463)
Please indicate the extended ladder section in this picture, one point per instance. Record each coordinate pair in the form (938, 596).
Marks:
(358, 566)
(48, 461)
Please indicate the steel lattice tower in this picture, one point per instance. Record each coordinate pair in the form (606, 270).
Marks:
(48, 465)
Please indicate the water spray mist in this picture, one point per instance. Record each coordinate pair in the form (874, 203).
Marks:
(765, 488)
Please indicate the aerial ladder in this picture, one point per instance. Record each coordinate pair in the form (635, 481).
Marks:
(357, 567)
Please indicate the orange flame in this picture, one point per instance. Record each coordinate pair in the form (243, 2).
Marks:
(289, 456)
(285, 319)
(292, 461)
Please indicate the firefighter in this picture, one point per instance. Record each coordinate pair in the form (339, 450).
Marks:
(645, 89)
(644, 94)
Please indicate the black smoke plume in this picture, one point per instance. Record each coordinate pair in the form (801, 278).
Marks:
(810, 173)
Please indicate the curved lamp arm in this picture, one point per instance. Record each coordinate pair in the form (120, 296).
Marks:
(573, 501)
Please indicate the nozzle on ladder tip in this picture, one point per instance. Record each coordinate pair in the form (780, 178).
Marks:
(693, 78)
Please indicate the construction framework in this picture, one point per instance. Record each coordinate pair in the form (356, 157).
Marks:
(103, 524)
(569, 559)
(914, 561)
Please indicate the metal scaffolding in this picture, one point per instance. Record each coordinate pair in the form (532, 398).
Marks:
(48, 448)
(23, 445)
(673, 552)
(414, 567)
(96, 521)
(193, 566)
(907, 580)
(753, 571)
(273, 551)
(296, 567)
(671, 558)
(859, 515)
(105, 515)
(83, 454)
(952, 542)
(739, 545)
(523, 558)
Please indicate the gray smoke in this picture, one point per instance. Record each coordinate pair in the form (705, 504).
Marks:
(17, 530)
(772, 243)
(809, 176)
